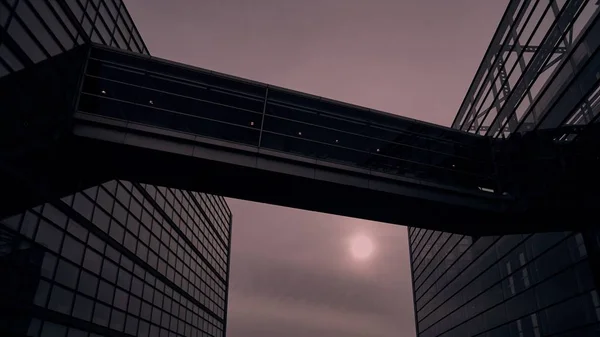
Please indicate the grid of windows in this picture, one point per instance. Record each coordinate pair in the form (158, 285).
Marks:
(516, 285)
(116, 262)
(34, 30)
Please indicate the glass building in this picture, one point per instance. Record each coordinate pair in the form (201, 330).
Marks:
(32, 31)
(512, 285)
(529, 285)
(118, 259)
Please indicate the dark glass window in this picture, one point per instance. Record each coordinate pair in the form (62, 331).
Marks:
(124, 279)
(133, 225)
(123, 195)
(121, 298)
(109, 271)
(117, 320)
(101, 314)
(137, 286)
(75, 7)
(88, 284)
(96, 243)
(134, 305)
(67, 274)
(117, 232)
(53, 330)
(106, 292)
(146, 311)
(29, 225)
(41, 294)
(60, 300)
(76, 229)
(55, 26)
(112, 253)
(131, 325)
(49, 236)
(105, 200)
(83, 308)
(54, 215)
(83, 206)
(92, 261)
(36, 27)
(130, 242)
(101, 219)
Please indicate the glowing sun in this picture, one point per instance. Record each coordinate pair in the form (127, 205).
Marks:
(361, 247)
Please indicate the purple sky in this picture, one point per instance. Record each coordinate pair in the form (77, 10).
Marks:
(292, 272)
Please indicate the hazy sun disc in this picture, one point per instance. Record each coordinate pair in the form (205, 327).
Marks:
(361, 247)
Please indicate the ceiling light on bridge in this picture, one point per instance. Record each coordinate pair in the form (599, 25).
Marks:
(299, 133)
(453, 166)
(337, 141)
(151, 102)
(251, 123)
(103, 92)
(377, 150)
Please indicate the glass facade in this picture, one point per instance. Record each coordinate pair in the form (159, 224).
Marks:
(126, 259)
(514, 285)
(34, 30)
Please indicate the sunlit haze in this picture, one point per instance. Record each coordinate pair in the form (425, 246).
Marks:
(361, 247)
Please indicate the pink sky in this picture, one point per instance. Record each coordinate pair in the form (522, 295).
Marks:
(292, 273)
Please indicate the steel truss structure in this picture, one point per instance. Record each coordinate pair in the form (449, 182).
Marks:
(536, 64)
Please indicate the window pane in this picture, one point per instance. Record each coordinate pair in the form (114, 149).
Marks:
(41, 294)
(124, 279)
(29, 225)
(76, 333)
(66, 274)
(119, 213)
(131, 325)
(109, 271)
(92, 261)
(96, 242)
(48, 265)
(106, 292)
(61, 300)
(88, 284)
(76, 229)
(117, 232)
(36, 27)
(117, 320)
(72, 249)
(53, 330)
(10, 58)
(134, 305)
(52, 22)
(101, 219)
(105, 200)
(54, 215)
(121, 298)
(83, 308)
(101, 314)
(83, 206)
(49, 236)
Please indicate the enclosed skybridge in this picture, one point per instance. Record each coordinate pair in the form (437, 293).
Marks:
(96, 113)
(180, 126)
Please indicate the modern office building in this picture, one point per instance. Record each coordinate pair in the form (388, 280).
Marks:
(528, 285)
(513, 285)
(119, 258)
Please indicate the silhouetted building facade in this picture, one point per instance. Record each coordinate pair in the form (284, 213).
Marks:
(120, 259)
(515, 285)
(116, 259)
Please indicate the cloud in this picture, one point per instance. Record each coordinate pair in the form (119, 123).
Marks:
(261, 316)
